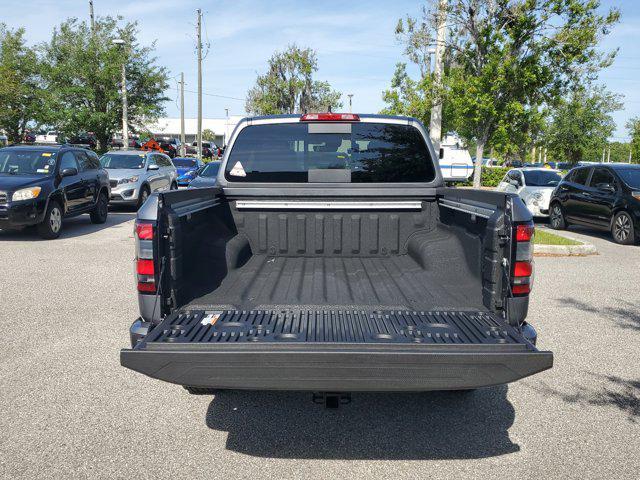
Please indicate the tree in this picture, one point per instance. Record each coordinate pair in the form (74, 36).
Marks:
(633, 127)
(83, 75)
(21, 94)
(208, 135)
(289, 87)
(510, 57)
(581, 125)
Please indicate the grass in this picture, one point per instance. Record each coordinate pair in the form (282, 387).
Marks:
(542, 237)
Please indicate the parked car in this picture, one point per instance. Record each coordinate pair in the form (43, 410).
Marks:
(171, 146)
(208, 148)
(533, 185)
(29, 137)
(604, 196)
(190, 149)
(86, 140)
(43, 185)
(136, 174)
(4, 141)
(187, 169)
(50, 136)
(207, 176)
(331, 258)
(118, 142)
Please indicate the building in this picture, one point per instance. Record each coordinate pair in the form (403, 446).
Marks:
(221, 127)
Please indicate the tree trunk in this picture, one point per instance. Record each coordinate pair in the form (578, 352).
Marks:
(477, 170)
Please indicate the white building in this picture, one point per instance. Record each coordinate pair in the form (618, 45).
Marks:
(221, 127)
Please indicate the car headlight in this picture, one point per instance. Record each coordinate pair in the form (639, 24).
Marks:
(536, 196)
(133, 179)
(26, 194)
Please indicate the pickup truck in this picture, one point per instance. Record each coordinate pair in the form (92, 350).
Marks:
(330, 258)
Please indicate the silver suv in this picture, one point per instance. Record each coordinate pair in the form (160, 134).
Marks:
(135, 174)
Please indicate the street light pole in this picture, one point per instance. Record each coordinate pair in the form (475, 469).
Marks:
(199, 28)
(125, 114)
(350, 95)
(435, 127)
(182, 137)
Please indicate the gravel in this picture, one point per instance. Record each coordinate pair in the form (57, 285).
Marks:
(69, 410)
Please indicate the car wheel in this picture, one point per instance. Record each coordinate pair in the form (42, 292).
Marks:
(101, 211)
(51, 226)
(622, 229)
(556, 217)
(144, 194)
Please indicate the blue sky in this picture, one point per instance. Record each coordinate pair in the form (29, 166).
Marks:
(356, 47)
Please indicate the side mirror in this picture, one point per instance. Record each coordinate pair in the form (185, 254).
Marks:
(513, 182)
(153, 167)
(69, 172)
(441, 153)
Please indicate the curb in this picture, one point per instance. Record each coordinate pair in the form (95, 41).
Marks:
(565, 250)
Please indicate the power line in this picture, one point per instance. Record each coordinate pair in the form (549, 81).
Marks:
(216, 95)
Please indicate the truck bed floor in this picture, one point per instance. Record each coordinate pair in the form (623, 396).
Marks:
(388, 283)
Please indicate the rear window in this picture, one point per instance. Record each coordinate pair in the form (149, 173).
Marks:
(184, 162)
(630, 176)
(360, 152)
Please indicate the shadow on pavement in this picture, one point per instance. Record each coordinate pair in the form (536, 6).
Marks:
(626, 315)
(71, 227)
(416, 426)
(613, 391)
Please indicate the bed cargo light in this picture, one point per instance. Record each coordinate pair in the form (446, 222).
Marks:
(522, 270)
(145, 267)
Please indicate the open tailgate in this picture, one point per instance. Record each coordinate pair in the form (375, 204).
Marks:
(334, 350)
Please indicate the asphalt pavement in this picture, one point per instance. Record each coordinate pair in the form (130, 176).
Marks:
(68, 410)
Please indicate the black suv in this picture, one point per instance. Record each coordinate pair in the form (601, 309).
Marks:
(604, 196)
(42, 185)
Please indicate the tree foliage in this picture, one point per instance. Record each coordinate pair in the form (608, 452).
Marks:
(83, 76)
(21, 94)
(289, 87)
(581, 125)
(633, 127)
(510, 57)
(207, 134)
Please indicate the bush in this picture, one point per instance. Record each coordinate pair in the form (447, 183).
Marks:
(490, 177)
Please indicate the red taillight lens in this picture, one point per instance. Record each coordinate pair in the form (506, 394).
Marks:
(144, 231)
(522, 269)
(145, 267)
(330, 117)
(523, 289)
(147, 287)
(524, 233)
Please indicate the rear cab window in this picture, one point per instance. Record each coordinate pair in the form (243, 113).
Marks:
(316, 152)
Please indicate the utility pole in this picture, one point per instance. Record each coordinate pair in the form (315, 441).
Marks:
(91, 17)
(199, 138)
(182, 139)
(629, 151)
(125, 114)
(435, 127)
(350, 95)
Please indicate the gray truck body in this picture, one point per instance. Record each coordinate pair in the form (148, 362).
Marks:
(334, 286)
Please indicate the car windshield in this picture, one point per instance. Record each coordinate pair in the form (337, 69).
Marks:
(184, 162)
(630, 176)
(316, 152)
(211, 170)
(27, 162)
(541, 178)
(132, 161)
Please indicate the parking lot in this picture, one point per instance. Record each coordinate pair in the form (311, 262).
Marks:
(70, 410)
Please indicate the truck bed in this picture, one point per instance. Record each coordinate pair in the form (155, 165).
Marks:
(390, 283)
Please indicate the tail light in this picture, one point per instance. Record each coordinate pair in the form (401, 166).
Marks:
(522, 267)
(145, 264)
(329, 117)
